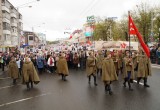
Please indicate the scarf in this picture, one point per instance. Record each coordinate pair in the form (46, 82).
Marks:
(51, 61)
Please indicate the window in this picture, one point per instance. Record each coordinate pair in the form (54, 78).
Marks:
(30, 37)
(3, 1)
(6, 26)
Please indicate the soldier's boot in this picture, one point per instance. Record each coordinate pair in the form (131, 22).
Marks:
(27, 84)
(95, 83)
(64, 78)
(89, 79)
(31, 84)
(145, 83)
(124, 83)
(14, 81)
(129, 84)
(109, 89)
(106, 88)
(138, 80)
(101, 72)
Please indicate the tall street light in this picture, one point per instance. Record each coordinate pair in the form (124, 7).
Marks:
(23, 6)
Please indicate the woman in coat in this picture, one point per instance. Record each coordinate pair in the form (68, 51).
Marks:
(108, 73)
(13, 70)
(29, 73)
(62, 67)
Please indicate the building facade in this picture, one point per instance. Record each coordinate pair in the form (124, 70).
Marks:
(42, 40)
(11, 24)
(31, 40)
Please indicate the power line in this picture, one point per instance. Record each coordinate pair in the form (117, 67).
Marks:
(84, 10)
(92, 6)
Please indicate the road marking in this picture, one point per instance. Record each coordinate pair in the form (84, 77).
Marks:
(25, 99)
(139, 82)
(9, 86)
(5, 78)
(158, 67)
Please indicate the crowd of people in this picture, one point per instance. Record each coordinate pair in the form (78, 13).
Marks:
(108, 64)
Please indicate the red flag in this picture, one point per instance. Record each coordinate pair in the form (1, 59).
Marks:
(70, 37)
(89, 42)
(135, 30)
(131, 29)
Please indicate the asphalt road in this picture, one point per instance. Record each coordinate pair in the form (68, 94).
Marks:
(76, 94)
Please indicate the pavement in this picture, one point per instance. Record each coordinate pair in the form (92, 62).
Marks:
(76, 94)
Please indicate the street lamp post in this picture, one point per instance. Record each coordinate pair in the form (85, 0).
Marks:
(19, 30)
(111, 18)
(23, 6)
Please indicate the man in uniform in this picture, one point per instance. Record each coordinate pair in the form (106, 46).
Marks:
(99, 61)
(108, 72)
(13, 70)
(62, 67)
(91, 67)
(143, 68)
(30, 74)
(128, 73)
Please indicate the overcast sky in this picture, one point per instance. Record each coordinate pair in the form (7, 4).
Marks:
(53, 17)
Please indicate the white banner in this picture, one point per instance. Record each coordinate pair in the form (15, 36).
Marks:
(116, 45)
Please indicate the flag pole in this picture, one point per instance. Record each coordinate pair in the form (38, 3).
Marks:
(129, 34)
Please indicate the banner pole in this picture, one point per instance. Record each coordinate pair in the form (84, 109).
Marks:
(129, 35)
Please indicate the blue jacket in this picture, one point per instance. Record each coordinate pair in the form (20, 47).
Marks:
(40, 62)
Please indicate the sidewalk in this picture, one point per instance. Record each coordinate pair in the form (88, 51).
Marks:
(155, 66)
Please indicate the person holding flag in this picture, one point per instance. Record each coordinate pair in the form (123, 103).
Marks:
(147, 65)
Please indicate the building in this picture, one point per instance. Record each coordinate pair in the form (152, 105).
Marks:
(11, 25)
(31, 40)
(42, 40)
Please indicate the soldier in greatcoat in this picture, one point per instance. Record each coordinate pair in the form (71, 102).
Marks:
(108, 72)
(99, 61)
(128, 70)
(62, 67)
(91, 67)
(30, 75)
(116, 60)
(13, 70)
(143, 65)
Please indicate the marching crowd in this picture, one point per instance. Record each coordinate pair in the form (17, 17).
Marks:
(109, 64)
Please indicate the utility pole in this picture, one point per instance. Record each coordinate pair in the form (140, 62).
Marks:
(151, 36)
(111, 33)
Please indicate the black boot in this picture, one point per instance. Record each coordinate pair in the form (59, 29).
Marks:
(31, 84)
(129, 84)
(106, 88)
(64, 78)
(138, 80)
(100, 72)
(125, 80)
(89, 79)
(95, 81)
(14, 81)
(109, 89)
(27, 84)
(145, 83)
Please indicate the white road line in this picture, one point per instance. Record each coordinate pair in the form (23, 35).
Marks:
(5, 78)
(9, 86)
(139, 82)
(158, 67)
(25, 99)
